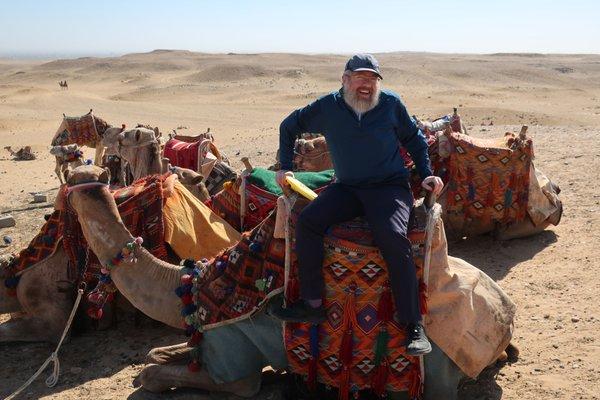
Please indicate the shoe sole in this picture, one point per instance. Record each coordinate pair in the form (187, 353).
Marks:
(419, 352)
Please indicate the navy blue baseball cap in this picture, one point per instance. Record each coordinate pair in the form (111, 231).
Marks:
(363, 62)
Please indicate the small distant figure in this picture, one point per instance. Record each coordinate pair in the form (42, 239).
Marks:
(63, 85)
(23, 154)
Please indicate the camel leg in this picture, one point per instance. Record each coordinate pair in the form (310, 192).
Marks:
(58, 171)
(99, 154)
(158, 378)
(168, 354)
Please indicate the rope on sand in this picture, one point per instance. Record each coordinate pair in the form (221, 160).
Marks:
(52, 380)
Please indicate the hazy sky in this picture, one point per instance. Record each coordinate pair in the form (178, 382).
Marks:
(62, 27)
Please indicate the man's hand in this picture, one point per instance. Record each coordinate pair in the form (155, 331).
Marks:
(433, 184)
(280, 178)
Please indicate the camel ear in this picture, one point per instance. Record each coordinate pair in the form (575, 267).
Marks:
(104, 176)
(138, 135)
(157, 132)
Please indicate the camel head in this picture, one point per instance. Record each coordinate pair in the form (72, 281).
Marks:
(193, 181)
(141, 149)
(88, 174)
(98, 215)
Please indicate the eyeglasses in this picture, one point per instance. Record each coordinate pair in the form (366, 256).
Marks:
(365, 78)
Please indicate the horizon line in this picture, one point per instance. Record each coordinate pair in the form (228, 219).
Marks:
(26, 55)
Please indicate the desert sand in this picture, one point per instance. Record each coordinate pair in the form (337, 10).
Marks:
(552, 277)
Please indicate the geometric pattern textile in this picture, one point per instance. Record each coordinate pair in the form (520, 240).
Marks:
(237, 282)
(140, 207)
(356, 281)
(80, 130)
(489, 182)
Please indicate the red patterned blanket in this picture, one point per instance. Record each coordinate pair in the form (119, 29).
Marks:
(486, 180)
(82, 130)
(140, 207)
(359, 347)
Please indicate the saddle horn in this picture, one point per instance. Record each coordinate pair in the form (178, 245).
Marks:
(523, 133)
(247, 164)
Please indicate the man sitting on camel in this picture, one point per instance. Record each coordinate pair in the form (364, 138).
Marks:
(363, 127)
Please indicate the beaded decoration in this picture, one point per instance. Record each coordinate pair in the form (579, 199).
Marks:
(105, 289)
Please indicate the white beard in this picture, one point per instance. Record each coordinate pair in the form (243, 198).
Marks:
(361, 106)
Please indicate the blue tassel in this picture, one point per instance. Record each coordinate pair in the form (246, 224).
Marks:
(255, 247)
(221, 266)
(12, 282)
(189, 309)
(314, 341)
(507, 198)
(105, 279)
(471, 194)
(184, 289)
(189, 263)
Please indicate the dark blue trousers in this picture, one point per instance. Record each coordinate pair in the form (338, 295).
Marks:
(387, 209)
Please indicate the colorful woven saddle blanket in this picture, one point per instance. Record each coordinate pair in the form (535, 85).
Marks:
(486, 179)
(80, 130)
(203, 157)
(141, 209)
(359, 347)
(259, 190)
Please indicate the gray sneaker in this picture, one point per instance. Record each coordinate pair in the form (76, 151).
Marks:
(417, 343)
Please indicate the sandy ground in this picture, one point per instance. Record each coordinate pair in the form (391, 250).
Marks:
(552, 277)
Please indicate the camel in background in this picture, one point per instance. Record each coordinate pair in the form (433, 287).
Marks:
(67, 157)
(87, 130)
(23, 154)
(63, 85)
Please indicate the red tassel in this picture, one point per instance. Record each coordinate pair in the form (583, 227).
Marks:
(312, 374)
(346, 346)
(194, 366)
(195, 339)
(380, 378)
(415, 389)
(345, 384)
(423, 298)
(385, 307)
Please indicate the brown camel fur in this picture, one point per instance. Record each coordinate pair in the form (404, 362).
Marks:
(139, 147)
(44, 298)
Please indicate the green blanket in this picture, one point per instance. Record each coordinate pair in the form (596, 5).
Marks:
(265, 179)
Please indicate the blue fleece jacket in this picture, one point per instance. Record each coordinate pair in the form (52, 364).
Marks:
(364, 149)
